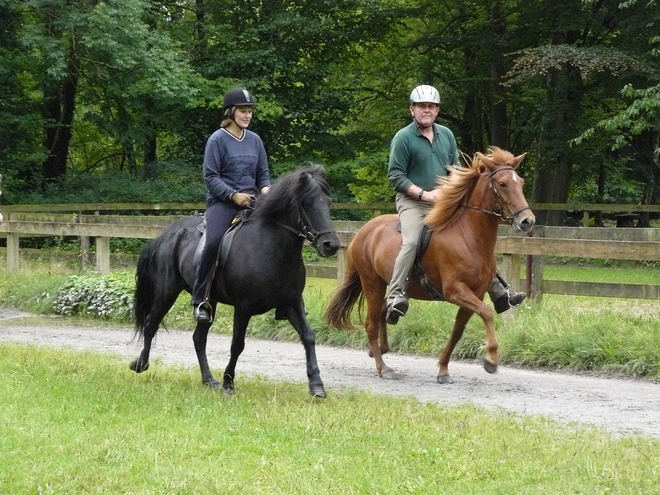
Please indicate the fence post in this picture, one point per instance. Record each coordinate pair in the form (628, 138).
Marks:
(103, 254)
(510, 270)
(83, 244)
(13, 252)
(535, 269)
(536, 286)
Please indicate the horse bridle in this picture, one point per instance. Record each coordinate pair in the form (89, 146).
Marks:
(304, 230)
(507, 215)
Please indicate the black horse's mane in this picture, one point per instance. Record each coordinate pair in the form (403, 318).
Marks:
(292, 189)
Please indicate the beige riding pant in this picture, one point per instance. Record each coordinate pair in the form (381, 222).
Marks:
(411, 213)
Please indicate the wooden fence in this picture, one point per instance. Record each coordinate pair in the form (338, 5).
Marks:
(515, 249)
(586, 209)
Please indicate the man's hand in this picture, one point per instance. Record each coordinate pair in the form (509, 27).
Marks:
(429, 196)
(242, 199)
(432, 196)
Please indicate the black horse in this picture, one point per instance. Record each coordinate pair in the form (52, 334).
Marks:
(264, 270)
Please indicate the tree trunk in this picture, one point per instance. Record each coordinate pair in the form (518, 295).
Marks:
(647, 143)
(200, 49)
(470, 128)
(602, 176)
(498, 116)
(552, 177)
(58, 110)
(150, 166)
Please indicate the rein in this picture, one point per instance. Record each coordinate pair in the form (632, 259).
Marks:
(311, 234)
(507, 215)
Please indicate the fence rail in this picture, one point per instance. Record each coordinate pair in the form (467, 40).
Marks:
(576, 242)
(586, 208)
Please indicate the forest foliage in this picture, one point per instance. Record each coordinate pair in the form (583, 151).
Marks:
(113, 100)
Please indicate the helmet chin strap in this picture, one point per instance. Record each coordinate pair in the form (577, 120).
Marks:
(237, 124)
(233, 119)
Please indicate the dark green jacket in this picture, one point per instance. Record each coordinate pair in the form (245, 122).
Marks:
(414, 160)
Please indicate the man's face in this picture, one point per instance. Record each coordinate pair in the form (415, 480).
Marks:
(425, 113)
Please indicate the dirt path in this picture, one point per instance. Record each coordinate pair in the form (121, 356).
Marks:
(622, 407)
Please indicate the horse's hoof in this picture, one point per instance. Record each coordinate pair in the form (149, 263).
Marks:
(212, 383)
(389, 374)
(317, 392)
(138, 369)
(490, 367)
(442, 379)
(228, 391)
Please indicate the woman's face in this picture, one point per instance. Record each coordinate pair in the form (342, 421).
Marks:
(243, 116)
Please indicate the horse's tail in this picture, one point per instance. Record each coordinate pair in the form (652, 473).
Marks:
(145, 288)
(338, 312)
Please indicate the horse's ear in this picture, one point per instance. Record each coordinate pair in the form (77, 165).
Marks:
(485, 160)
(518, 159)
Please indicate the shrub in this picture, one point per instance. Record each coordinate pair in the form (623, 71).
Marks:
(103, 296)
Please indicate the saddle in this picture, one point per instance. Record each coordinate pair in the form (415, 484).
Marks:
(418, 270)
(241, 219)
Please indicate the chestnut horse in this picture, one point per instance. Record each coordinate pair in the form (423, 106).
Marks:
(459, 261)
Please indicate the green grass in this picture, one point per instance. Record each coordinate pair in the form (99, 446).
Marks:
(633, 274)
(81, 423)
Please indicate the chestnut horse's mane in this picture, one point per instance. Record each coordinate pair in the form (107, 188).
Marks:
(457, 187)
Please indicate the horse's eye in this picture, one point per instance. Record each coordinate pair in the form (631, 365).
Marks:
(502, 185)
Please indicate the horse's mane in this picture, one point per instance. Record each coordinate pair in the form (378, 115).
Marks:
(457, 186)
(293, 188)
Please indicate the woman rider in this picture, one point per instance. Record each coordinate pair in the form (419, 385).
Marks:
(235, 170)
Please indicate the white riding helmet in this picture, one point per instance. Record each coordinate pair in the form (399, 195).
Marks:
(424, 94)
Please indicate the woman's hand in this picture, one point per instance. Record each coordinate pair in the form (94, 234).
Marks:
(242, 199)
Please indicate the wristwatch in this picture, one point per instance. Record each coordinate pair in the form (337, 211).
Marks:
(421, 193)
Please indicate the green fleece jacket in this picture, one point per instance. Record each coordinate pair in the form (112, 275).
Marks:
(414, 160)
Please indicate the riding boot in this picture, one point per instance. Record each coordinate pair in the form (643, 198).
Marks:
(202, 289)
(397, 305)
(503, 296)
(202, 313)
(396, 309)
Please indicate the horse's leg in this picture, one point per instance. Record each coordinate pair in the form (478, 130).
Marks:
(491, 359)
(200, 337)
(462, 317)
(241, 321)
(163, 302)
(383, 342)
(141, 364)
(375, 326)
(296, 317)
(469, 305)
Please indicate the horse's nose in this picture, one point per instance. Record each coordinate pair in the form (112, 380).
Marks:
(329, 247)
(527, 223)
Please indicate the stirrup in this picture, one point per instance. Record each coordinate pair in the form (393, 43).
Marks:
(508, 300)
(202, 312)
(515, 298)
(396, 309)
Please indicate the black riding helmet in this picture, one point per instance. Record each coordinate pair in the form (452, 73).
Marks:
(237, 97)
